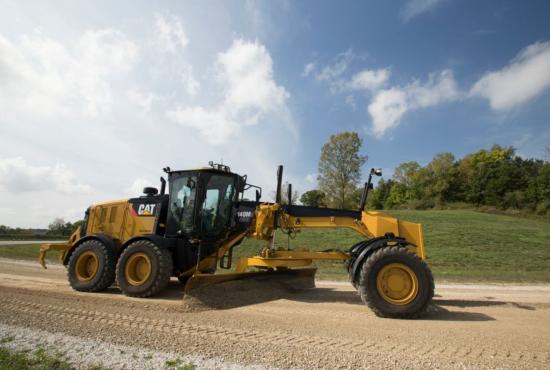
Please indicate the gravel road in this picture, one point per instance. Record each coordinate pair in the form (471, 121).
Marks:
(468, 326)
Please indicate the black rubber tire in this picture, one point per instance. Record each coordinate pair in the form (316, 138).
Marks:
(161, 269)
(369, 292)
(105, 275)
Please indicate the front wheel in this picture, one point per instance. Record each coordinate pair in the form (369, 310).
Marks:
(91, 267)
(143, 269)
(395, 282)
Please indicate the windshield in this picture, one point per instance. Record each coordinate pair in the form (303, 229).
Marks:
(182, 199)
(216, 207)
(213, 194)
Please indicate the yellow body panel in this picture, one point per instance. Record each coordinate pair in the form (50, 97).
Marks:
(117, 220)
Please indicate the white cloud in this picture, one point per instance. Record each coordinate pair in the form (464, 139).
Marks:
(171, 33)
(414, 8)
(335, 75)
(370, 79)
(136, 189)
(308, 69)
(247, 69)
(525, 77)
(335, 70)
(350, 100)
(172, 40)
(142, 99)
(17, 176)
(386, 109)
(388, 106)
(189, 82)
(215, 126)
(311, 179)
(250, 91)
(41, 77)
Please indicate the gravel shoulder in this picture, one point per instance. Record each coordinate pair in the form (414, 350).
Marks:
(468, 326)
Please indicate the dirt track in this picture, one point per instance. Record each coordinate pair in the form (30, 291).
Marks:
(327, 327)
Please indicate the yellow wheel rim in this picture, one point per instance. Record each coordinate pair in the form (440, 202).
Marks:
(397, 284)
(137, 269)
(86, 267)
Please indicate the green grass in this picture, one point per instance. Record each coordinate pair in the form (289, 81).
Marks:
(469, 245)
(178, 364)
(26, 252)
(37, 360)
(31, 237)
(462, 245)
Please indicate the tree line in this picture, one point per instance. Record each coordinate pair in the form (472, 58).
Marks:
(497, 177)
(58, 227)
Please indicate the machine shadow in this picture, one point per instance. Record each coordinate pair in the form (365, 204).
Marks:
(173, 292)
(481, 303)
(439, 313)
(219, 298)
(223, 297)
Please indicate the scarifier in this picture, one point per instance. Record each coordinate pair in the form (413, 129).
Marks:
(191, 231)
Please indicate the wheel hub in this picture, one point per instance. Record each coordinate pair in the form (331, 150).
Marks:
(138, 269)
(87, 265)
(397, 284)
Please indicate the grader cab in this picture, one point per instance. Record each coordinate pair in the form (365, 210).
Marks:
(190, 231)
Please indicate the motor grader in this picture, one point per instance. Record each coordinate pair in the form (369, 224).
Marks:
(190, 231)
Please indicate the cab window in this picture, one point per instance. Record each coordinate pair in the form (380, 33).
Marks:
(216, 207)
(182, 199)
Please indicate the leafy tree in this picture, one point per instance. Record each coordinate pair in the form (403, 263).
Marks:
(397, 196)
(60, 227)
(439, 179)
(340, 168)
(379, 196)
(57, 227)
(478, 169)
(409, 177)
(313, 198)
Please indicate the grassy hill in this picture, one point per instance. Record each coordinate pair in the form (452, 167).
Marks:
(461, 245)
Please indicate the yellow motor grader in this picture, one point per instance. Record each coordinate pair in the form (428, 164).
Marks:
(191, 230)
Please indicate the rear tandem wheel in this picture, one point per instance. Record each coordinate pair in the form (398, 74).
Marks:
(143, 269)
(395, 282)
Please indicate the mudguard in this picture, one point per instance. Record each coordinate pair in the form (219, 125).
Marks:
(105, 239)
(362, 250)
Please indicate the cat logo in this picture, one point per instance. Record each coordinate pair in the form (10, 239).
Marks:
(146, 209)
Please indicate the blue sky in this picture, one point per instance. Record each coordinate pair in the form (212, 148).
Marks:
(96, 97)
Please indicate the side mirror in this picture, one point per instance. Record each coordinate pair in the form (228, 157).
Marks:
(377, 171)
(258, 195)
